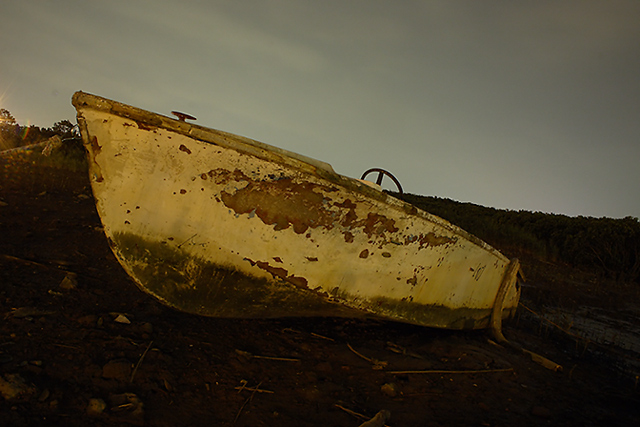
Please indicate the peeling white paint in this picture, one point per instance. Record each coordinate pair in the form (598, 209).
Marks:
(273, 215)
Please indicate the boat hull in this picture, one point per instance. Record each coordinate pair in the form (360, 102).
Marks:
(219, 225)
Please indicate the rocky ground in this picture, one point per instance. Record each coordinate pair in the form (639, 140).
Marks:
(81, 345)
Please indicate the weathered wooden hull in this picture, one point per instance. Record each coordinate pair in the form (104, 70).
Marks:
(219, 225)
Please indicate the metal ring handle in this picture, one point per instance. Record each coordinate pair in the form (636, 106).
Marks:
(381, 174)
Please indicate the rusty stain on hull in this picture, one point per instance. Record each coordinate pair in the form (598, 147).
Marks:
(281, 203)
(279, 272)
(284, 203)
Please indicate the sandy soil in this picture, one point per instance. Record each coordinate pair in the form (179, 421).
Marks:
(81, 345)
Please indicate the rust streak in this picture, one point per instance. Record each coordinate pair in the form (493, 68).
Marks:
(378, 224)
(95, 147)
(283, 274)
(350, 217)
(299, 282)
(430, 239)
(276, 271)
(145, 126)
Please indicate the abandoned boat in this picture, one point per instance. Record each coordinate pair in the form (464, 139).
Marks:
(217, 224)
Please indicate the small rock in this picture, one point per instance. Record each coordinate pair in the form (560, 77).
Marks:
(390, 389)
(14, 387)
(44, 395)
(96, 407)
(69, 282)
(121, 318)
(379, 420)
(127, 406)
(167, 386)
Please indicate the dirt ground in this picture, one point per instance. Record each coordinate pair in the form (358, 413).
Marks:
(81, 345)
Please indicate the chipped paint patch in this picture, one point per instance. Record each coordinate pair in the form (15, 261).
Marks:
(282, 203)
(429, 239)
(283, 274)
(285, 203)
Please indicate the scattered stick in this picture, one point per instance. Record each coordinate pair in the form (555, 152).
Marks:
(133, 374)
(377, 421)
(496, 319)
(67, 346)
(377, 364)
(22, 312)
(350, 412)
(311, 333)
(437, 371)
(56, 265)
(24, 261)
(253, 356)
(253, 389)
(244, 383)
(543, 361)
(401, 350)
(245, 402)
(321, 336)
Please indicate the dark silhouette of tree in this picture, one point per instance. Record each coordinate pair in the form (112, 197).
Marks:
(13, 135)
(64, 129)
(9, 130)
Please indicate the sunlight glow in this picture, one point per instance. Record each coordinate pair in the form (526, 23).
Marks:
(3, 95)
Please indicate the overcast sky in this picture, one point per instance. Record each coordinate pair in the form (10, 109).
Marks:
(531, 105)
